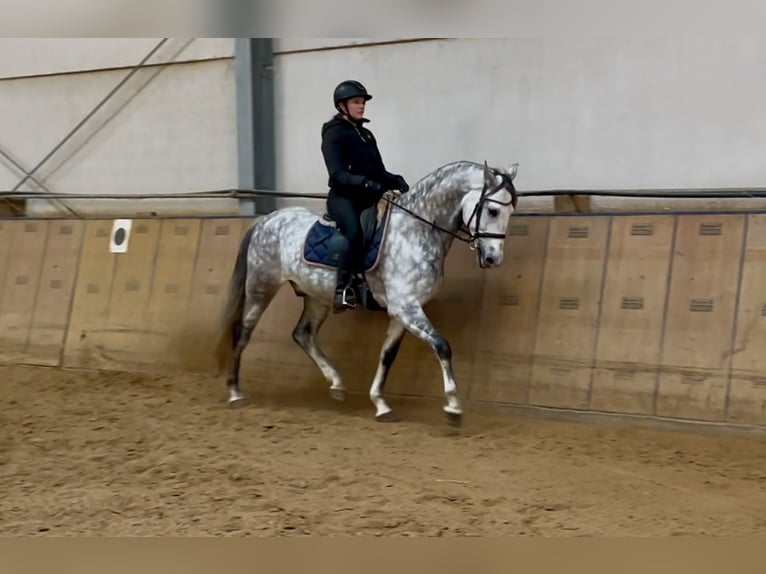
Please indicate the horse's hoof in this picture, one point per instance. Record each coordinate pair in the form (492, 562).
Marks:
(388, 417)
(454, 419)
(237, 402)
(338, 394)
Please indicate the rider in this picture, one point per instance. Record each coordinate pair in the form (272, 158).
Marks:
(357, 177)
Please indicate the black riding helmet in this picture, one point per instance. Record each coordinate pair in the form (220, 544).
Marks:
(349, 89)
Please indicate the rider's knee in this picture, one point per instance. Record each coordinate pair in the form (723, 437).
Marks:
(353, 234)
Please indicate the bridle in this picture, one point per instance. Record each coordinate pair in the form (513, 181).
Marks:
(485, 198)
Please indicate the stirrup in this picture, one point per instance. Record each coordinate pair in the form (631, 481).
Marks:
(347, 299)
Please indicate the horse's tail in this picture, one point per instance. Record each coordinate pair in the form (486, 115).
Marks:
(231, 315)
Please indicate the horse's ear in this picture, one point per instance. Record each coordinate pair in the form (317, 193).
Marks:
(513, 170)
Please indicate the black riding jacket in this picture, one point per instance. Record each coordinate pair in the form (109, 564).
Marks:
(352, 157)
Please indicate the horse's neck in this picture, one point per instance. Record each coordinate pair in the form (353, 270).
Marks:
(439, 204)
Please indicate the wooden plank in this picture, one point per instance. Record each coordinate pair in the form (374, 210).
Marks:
(55, 292)
(22, 278)
(509, 316)
(633, 309)
(6, 240)
(747, 385)
(84, 342)
(700, 316)
(569, 312)
(170, 292)
(128, 320)
(218, 245)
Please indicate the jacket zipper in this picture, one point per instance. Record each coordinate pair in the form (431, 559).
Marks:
(360, 134)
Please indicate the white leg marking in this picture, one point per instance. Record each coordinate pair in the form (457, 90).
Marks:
(388, 353)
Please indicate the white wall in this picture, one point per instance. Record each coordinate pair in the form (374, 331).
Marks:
(37, 56)
(287, 45)
(601, 113)
(169, 129)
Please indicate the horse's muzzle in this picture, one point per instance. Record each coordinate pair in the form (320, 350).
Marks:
(489, 257)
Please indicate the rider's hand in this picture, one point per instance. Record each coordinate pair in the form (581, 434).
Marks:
(373, 186)
(401, 184)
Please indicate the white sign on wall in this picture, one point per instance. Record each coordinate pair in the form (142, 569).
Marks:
(118, 242)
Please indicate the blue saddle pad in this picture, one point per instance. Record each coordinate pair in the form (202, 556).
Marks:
(324, 242)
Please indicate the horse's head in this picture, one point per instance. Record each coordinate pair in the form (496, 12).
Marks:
(486, 212)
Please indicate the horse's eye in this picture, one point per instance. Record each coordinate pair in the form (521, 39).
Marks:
(493, 212)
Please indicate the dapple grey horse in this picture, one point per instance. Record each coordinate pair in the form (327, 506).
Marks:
(460, 197)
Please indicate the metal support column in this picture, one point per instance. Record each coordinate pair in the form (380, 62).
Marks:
(254, 63)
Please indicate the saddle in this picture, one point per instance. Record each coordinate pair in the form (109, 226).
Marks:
(324, 243)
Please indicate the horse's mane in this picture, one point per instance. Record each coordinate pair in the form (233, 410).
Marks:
(448, 169)
(441, 172)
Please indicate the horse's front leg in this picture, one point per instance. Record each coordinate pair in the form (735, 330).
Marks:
(416, 321)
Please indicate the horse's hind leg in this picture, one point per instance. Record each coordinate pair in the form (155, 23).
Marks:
(314, 314)
(388, 353)
(256, 303)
